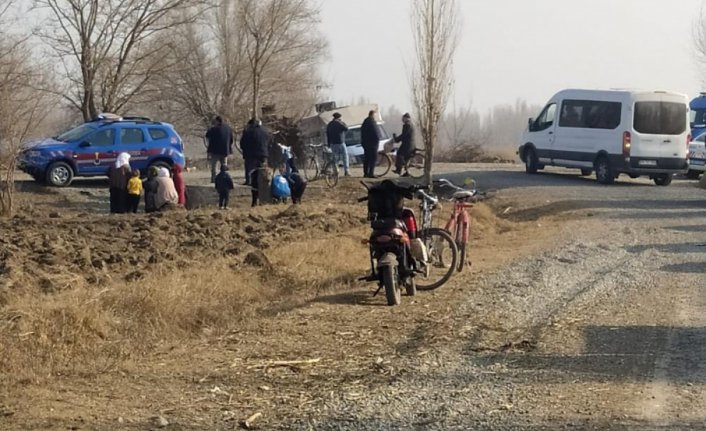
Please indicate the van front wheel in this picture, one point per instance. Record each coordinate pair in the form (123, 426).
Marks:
(531, 162)
(604, 171)
(663, 179)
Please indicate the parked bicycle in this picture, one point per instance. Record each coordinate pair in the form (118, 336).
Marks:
(442, 253)
(459, 223)
(319, 163)
(414, 167)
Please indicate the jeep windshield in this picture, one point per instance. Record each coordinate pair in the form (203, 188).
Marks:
(76, 133)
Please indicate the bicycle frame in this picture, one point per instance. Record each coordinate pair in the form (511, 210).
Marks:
(460, 222)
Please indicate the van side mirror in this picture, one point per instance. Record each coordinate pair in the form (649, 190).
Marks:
(530, 124)
(84, 144)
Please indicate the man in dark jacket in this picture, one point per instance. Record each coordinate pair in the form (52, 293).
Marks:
(255, 147)
(407, 148)
(335, 136)
(370, 140)
(220, 145)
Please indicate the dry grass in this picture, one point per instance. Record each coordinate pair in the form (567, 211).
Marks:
(507, 154)
(84, 330)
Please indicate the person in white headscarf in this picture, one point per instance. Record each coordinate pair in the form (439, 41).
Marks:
(118, 176)
(167, 194)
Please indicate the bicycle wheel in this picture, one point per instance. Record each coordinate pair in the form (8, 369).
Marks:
(442, 259)
(415, 165)
(383, 164)
(330, 174)
(311, 169)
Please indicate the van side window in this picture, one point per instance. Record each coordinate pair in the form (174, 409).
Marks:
(590, 114)
(545, 119)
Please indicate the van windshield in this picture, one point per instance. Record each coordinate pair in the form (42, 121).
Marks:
(660, 118)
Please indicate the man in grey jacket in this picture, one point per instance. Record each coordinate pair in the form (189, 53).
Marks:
(335, 135)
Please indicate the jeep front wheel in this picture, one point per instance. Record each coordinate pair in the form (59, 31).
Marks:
(59, 174)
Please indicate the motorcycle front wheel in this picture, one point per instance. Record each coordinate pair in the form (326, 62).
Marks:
(442, 259)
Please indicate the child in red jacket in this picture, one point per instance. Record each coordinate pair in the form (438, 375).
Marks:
(179, 184)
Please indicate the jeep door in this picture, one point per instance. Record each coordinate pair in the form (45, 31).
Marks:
(132, 141)
(96, 152)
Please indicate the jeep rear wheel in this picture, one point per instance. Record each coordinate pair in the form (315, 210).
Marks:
(59, 174)
(160, 164)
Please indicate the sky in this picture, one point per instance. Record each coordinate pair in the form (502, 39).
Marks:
(516, 49)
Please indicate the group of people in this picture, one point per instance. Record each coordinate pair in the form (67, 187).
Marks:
(255, 149)
(370, 141)
(162, 189)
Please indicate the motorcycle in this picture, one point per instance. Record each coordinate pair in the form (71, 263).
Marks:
(394, 254)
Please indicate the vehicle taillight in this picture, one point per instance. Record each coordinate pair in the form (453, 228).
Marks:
(627, 143)
(410, 223)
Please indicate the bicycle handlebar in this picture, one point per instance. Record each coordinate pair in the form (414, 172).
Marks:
(432, 200)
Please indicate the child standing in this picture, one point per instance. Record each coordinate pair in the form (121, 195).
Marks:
(134, 190)
(151, 187)
(224, 184)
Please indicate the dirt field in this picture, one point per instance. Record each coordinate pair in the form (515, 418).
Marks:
(582, 310)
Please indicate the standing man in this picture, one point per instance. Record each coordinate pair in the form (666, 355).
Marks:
(255, 147)
(220, 145)
(336, 140)
(407, 147)
(370, 140)
(245, 151)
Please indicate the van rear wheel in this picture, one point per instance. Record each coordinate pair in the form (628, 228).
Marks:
(604, 171)
(663, 179)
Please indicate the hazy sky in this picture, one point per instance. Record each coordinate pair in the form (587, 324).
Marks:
(511, 49)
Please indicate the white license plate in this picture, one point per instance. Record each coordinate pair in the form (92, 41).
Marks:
(647, 163)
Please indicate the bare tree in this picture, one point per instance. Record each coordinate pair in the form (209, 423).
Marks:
(278, 32)
(104, 46)
(22, 109)
(436, 35)
(212, 71)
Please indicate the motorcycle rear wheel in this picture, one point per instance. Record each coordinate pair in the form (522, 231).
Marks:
(392, 291)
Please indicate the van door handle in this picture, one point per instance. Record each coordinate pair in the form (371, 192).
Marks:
(551, 133)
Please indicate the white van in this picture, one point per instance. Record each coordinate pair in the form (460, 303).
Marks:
(611, 132)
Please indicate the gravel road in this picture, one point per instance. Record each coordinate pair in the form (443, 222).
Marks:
(603, 330)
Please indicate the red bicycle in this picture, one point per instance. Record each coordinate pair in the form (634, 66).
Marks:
(459, 224)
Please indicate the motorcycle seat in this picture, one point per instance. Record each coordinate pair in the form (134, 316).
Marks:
(387, 223)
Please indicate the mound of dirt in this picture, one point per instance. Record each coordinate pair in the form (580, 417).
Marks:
(52, 254)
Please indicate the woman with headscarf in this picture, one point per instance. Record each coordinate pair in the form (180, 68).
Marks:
(166, 192)
(178, 179)
(118, 176)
